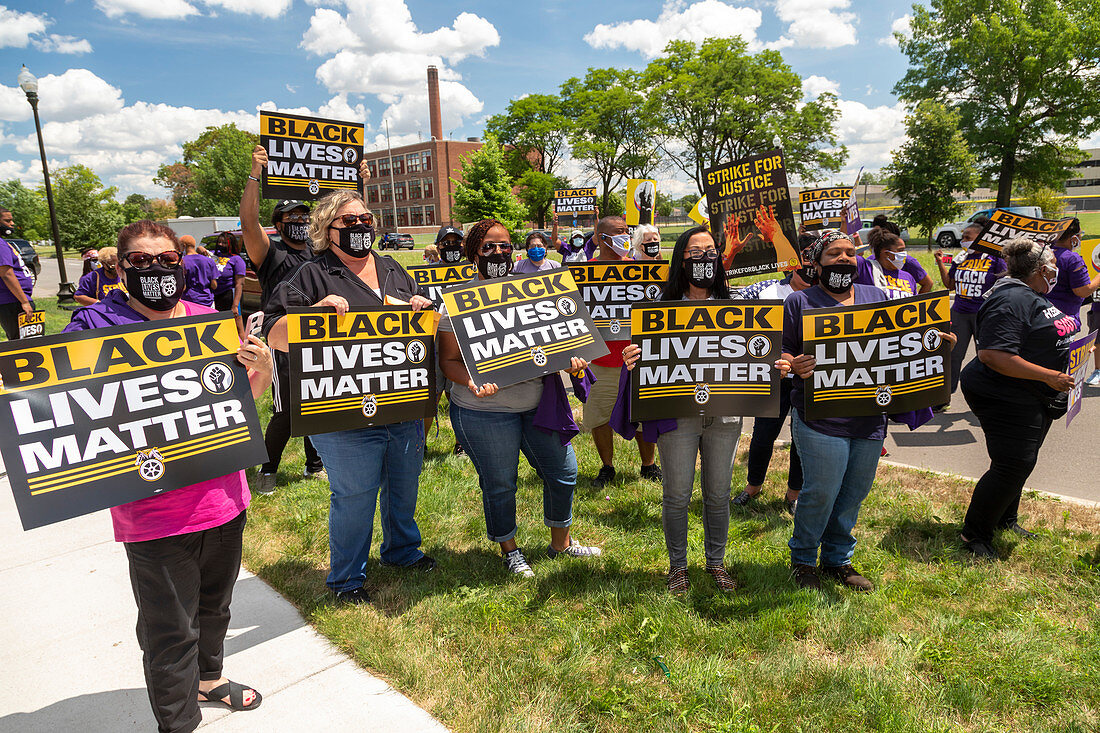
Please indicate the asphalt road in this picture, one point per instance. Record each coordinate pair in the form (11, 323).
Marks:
(48, 279)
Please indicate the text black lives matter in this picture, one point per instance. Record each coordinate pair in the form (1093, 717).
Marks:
(434, 278)
(609, 290)
(309, 156)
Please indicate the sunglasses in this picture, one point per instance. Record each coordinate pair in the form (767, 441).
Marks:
(141, 260)
(488, 247)
(350, 220)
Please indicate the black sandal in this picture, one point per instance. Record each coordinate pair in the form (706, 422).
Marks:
(235, 691)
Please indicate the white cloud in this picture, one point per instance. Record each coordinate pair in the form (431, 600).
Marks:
(901, 25)
(265, 8)
(871, 134)
(816, 23)
(678, 20)
(156, 9)
(54, 43)
(16, 27)
(74, 94)
(410, 113)
(338, 108)
(814, 86)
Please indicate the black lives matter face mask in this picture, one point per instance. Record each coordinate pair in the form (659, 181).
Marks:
(356, 241)
(838, 278)
(156, 287)
(296, 232)
(495, 265)
(450, 253)
(652, 249)
(702, 272)
(6, 231)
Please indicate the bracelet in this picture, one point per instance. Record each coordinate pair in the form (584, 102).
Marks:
(253, 178)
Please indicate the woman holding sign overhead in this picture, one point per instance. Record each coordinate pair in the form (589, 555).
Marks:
(364, 462)
(495, 425)
(183, 546)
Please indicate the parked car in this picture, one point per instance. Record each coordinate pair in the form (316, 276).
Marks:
(30, 257)
(252, 293)
(867, 228)
(396, 240)
(545, 232)
(949, 235)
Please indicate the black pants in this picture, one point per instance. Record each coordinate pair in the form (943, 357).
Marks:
(223, 301)
(183, 586)
(9, 319)
(764, 432)
(278, 429)
(1015, 428)
(965, 327)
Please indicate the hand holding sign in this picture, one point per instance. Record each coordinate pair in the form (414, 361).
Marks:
(334, 301)
(1059, 381)
(259, 160)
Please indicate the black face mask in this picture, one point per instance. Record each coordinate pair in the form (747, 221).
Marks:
(296, 232)
(702, 272)
(6, 231)
(110, 272)
(652, 249)
(221, 252)
(156, 287)
(450, 253)
(838, 278)
(356, 241)
(807, 273)
(495, 265)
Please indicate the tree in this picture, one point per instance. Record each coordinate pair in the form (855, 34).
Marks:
(611, 136)
(1023, 74)
(932, 165)
(485, 190)
(536, 191)
(714, 103)
(663, 205)
(537, 131)
(135, 208)
(1049, 201)
(28, 209)
(87, 213)
(160, 209)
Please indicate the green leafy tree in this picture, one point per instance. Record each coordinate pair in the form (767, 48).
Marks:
(537, 131)
(536, 191)
(486, 189)
(136, 207)
(1046, 198)
(664, 204)
(87, 213)
(714, 102)
(1023, 74)
(931, 166)
(28, 209)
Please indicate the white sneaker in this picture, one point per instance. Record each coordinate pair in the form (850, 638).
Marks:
(517, 563)
(1094, 378)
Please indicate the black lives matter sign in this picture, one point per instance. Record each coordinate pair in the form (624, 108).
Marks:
(309, 156)
(1004, 226)
(575, 201)
(95, 419)
(433, 278)
(878, 358)
(706, 359)
(823, 208)
(370, 366)
(609, 290)
(32, 325)
(520, 327)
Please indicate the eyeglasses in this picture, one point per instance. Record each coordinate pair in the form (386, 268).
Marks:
(699, 254)
(141, 260)
(350, 220)
(488, 247)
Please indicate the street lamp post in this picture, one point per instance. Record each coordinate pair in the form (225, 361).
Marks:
(29, 84)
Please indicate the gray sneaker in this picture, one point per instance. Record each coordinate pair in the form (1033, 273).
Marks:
(517, 563)
(266, 485)
(575, 549)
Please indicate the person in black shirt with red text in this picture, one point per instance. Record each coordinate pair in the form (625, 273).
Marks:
(1016, 386)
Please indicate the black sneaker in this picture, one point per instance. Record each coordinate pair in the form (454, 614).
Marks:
(653, 473)
(425, 564)
(355, 596)
(805, 576)
(604, 477)
(847, 575)
(1023, 533)
(266, 485)
(980, 550)
(458, 450)
(743, 498)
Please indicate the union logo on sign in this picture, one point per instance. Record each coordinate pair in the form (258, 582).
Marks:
(538, 356)
(702, 393)
(370, 405)
(884, 395)
(150, 464)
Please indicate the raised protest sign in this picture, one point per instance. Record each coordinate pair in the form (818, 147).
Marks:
(433, 278)
(641, 200)
(853, 222)
(822, 208)
(99, 418)
(32, 325)
(575, 201)
(610, 288)
(309, 156)
(700, 213)
(751, 215)
(1004, 226)
(515, 328)
(1090, 253)
(370, 366)
(1080, 354)
(706, 358)
(877, 358)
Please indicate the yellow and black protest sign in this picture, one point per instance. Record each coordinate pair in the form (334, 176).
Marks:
(575, 201)
(515, 328)
(32, 325)
(877, 358)
(822, 208)
(100, 418)
(1004, 226)
(433, 278)
(370, 366)
(641, 201)
(610, 288)
(309, 156)
(706, 358)
(700, 213)
(751, 215)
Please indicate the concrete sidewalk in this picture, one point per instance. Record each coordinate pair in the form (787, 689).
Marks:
(72, 661)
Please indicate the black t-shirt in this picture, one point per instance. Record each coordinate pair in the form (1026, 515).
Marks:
(1016, 319)
(280, 261)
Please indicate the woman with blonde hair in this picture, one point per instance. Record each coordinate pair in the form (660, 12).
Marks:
(364, 462)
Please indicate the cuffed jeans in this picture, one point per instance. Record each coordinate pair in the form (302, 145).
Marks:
(361, 464)
(839, 477)
(714, 440)
(965, 328)
(493, 441)
(765, 430)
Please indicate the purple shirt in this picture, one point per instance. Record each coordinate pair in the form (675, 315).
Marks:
(973, 274)
(10, 257)
(229, 269)
(526, 266)
(914, 268)
(96, 284)
(1072, 273)
(896, 283)
(201, 271)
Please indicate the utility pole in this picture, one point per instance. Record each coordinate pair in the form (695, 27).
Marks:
(393, 190)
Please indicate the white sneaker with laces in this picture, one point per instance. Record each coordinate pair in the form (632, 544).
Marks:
(517, 563)
(1094, 378)
(575, 549)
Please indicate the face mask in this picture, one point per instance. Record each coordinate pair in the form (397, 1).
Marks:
(536, 254)
(837, 278)
(968, 244)
(1052, 280)
(296, 232)
(495, 265)
(702, 272)
(807, 273)
(156, 287)
(620, 243)
(578, 242)
(109, 271)
(450, 253)
(356, 241)
(6, 231)
(897, 258)
(221, 252)
(652, 249)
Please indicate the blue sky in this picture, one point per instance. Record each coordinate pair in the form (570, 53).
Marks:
(125, 82)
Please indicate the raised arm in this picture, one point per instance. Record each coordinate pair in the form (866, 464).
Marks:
(256, 242)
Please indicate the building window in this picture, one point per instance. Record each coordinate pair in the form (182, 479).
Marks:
(416, 216)
(412, 160)
(399, 190)
(373, 169)
(402, 217)
(414, 190)
(387, 219)
(386, 191)
(429, 216)
(384, 167)
(372, 194)
(427, 159)
(399, 165)
(1082, 182)
(428, 188)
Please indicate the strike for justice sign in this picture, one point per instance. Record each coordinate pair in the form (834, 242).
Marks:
(516, 328)
(735, 192)
(434, 278)
(32, 325)
(1004, 226)
(877, 358)
(1079, 360)
(575, 201)
(309, 156)
(823, 208)
(370, 366)
(99, 418)
(706, 360)
(610, 288)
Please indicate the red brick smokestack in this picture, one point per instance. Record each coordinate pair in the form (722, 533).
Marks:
(434, 113)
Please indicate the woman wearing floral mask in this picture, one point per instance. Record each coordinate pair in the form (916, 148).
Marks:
(886, 271)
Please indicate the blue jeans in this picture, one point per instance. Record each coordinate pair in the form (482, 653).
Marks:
(838, 476)
(359, 464)
(493, 441)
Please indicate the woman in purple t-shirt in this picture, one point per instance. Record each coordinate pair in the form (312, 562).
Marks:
(183, 546)
(1074, 284)
(886, 271)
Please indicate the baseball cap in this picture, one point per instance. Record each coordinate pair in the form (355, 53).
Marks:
(286, 206)
(445, 230)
